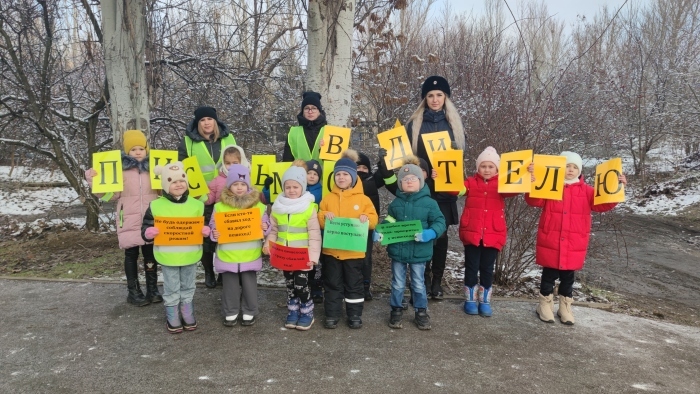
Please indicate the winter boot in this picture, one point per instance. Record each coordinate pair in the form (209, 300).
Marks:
(484, 301)
(187, 315)
(422, 319)
(306, 315)
(152, 293)
(354, 322)
(248, 320)
(566, 315)
(331, 323)
(135, 296)
(293, 315)
(436, 288)
(172, 322)
(395, 317)
(368, 293)
(209, 276)
(545, 309)
(230, 321)
(317, 295)
(471, 304)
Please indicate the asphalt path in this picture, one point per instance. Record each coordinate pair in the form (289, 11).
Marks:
(59, 337)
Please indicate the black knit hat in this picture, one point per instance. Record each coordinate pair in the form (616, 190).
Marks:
(314, 165)
(311, 98)
(364, 160)
(424, 166)
(204, 112)
(435, 83)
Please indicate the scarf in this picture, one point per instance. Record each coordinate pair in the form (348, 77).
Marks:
(287, 206)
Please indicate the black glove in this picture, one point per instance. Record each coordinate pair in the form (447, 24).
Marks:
(381, 165)
(382, 153)
(268, 182)
(454, 146)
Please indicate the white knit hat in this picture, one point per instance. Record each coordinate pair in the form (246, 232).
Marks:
(489, 154)
(573, 158)
(169, 173)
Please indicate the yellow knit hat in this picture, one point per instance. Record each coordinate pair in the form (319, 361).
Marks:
(134, 138)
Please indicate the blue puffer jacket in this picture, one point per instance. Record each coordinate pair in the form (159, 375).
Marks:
(415, 206)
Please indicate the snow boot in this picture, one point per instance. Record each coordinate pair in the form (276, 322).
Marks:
(331, 322)
(422, 319)
(135, 296)
(436, 288)
(485, 301)
(187, 314)
(317, 296)
(471, 305)
(209, 276)
(395, 317)
(566, 315)
(306, 315)
(248, 320)
(152, 293)
(172, 319)
(545, 309)
(368, 293)
(293, 315)
(230, 321)
(354, 322)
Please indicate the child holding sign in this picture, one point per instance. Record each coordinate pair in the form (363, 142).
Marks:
(342, 269)
(482, 230)
(413, 202)
(562, 238)
(232, 155)
(295, 223)
(238, 262)
(179, 262)
(132, 203)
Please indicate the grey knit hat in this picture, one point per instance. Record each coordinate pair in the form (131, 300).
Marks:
(410, 169)
(297, 174)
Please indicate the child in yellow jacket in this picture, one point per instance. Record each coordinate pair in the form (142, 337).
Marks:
(342, 269)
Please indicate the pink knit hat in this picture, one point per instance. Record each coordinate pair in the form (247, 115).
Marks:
(489, 154)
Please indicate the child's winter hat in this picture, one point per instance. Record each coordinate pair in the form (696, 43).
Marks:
(244, 161)
(169, 173)
(348, 165)
(573, 158)
(204, 112)
(134, 138)
(311, 98)
(238, 173)
(410, 167)
(424, 165)
(315, 166)
(489, 154)
(435, 83)
(297, 174)
(364, 160)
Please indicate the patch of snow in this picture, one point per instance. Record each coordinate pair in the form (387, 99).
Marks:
(204, 378)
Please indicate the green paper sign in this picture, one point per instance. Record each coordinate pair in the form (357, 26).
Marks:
(399, 231)
(345, 234)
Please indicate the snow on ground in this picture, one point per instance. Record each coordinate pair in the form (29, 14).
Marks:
(15, 201)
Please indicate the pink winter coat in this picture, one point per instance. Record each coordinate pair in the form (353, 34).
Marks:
(216, 186)
(565, 226)
(483, 217)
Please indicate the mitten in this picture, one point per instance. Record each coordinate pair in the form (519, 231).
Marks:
(425, 236)
(89, 174)
(206, 231)
(462, 192)
(151, 232)
(382, 153)
(377, 236)
(383, 171)
(268, 182)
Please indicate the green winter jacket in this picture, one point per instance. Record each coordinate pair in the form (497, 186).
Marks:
(415, 206)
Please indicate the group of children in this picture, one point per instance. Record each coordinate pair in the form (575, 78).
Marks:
(300, 213)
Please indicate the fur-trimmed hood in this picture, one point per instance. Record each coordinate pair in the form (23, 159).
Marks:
(245, 201)
(129, 162)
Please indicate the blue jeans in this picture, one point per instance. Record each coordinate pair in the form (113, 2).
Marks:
(398, 284)
(178, 284)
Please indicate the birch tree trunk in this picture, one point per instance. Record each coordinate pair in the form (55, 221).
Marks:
(329, 70)
(124, 43)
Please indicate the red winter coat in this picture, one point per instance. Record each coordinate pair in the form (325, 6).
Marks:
(565, 227)
(483, 218)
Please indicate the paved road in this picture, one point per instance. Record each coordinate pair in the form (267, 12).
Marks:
(83, 338)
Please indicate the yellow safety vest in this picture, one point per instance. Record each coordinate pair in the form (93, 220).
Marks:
(239, 252)
(292, 229)
(177, 256)
(299, 147)
(206, 162)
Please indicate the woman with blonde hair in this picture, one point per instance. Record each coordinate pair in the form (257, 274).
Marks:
(435, 113)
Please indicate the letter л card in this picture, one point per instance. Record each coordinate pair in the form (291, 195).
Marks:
(512, 173)
(159, 158)
(109, 172)
(335, 141)
(450, 171)
(549, 177)
(607, 182)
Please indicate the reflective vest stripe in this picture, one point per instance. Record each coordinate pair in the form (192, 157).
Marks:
(291, 229)
(289, 225)
(206, 162)
(299, 146)
(241, 245)
(175, 249)
(300, 243)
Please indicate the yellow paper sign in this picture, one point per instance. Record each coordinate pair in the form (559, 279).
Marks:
(195, 178)
(238, 226)
(178, 231)
(449, 165)
(328, 173)
(397, 145)
(607, 182)
(512, 173)
(435, 142)
(260, 170)
(159, 157)
(397, 123)
(335, 141)
(108, 166)
(276, 172)
(549, 177)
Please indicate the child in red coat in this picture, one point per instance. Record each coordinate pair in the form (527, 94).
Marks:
(562, 238)
(482, 230)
